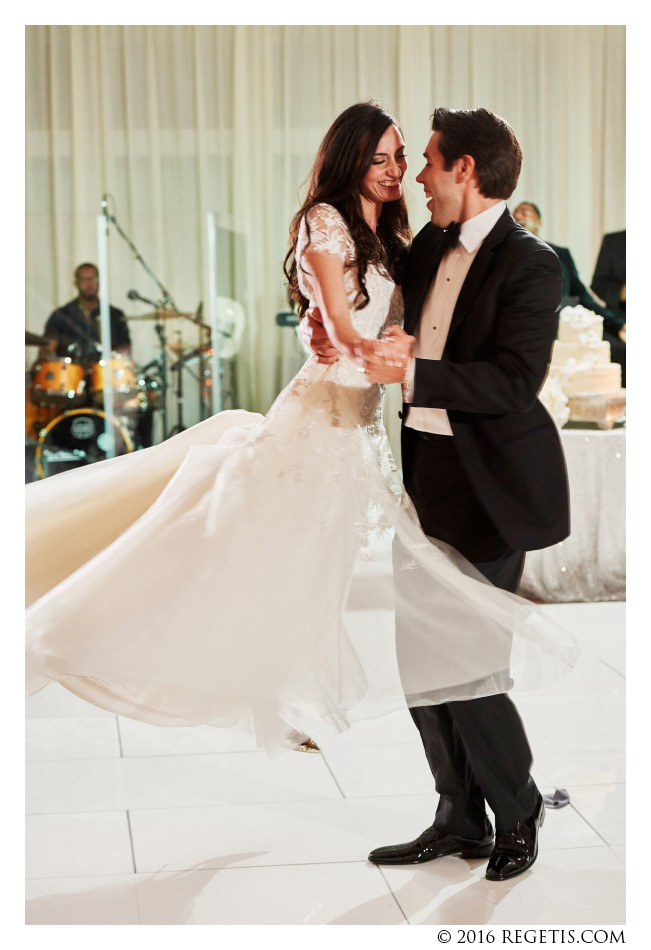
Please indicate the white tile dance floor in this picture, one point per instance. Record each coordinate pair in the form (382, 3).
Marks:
(134, 824)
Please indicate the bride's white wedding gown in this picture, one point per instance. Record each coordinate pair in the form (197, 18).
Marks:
(203, 580)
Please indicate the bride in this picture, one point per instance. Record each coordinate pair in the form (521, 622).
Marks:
(204, 580)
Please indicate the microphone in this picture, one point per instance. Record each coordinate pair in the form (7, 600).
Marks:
(134, 295)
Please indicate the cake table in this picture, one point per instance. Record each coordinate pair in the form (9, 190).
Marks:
(590, 565)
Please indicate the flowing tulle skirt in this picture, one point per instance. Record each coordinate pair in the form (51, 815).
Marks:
(204, 580)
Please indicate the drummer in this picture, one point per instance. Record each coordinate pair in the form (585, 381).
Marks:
(74, 329)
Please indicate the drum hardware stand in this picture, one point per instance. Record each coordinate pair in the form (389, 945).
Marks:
(162, 364)
(205, 342)
(161, 360)
(177, 368)
(205, 407)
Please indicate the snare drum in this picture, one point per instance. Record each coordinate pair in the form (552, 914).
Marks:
(78, 438)
(59, 383)
(122, 379)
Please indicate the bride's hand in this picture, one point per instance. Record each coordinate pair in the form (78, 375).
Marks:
(388, 360)
(365, 350)
(400, 348)
(365, 347)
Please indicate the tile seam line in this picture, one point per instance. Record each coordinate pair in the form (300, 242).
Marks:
(613, 669)
(237, 804)
(202, 870)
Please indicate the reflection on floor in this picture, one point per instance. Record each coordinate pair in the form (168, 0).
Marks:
(133, 824)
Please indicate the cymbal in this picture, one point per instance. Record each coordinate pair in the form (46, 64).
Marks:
(33, 339)
(162, 315)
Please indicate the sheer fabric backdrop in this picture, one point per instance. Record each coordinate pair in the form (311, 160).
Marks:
(178, 121)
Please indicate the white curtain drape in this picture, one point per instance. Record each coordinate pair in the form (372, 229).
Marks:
(177, 121)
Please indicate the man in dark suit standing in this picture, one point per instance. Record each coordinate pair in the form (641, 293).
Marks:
(528, 215)
(482, 459)
(574, 291)
(609, 278)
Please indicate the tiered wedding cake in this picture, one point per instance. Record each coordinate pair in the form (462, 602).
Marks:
(583, 385)
(582, 355)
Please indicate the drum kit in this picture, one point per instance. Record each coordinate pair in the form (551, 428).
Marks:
(65, 422)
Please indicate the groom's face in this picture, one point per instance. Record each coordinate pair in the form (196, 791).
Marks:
(444, 194)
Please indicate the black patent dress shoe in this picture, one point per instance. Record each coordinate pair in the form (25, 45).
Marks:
(516, 849)
(433, 844)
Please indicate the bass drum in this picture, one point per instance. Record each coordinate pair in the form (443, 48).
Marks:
(78, 438)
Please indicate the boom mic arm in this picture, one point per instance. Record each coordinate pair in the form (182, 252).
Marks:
(134, 295)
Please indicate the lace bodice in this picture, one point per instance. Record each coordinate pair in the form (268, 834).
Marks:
(340, 392)
(329, 233)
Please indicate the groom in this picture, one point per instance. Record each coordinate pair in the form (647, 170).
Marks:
(482, 459)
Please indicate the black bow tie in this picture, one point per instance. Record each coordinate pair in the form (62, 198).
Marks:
(450, 236)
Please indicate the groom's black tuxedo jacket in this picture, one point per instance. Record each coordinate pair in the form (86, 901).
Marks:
(494, 363)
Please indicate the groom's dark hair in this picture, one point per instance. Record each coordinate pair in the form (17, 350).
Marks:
(491, 142)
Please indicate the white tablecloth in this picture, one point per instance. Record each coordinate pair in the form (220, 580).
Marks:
(591, 564)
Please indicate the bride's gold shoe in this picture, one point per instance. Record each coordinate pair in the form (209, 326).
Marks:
(299, 742)
(308, 745)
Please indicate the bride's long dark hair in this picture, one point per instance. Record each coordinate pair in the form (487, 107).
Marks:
(344, 157)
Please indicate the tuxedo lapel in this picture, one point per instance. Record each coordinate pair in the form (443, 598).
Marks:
(471, 286)
(422, 271)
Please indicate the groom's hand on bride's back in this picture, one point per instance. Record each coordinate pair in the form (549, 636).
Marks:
(314, 335)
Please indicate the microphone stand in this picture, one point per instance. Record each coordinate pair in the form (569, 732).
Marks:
(166, 296)
(161, 360)
(166, 299)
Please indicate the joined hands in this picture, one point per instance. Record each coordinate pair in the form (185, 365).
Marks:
(383, 361)
(386, 360)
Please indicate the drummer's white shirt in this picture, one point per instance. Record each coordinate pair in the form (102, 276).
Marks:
(436, 316)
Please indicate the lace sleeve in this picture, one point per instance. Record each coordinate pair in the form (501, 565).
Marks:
(327, 233)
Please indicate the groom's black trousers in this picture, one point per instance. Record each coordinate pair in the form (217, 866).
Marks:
(477, 750)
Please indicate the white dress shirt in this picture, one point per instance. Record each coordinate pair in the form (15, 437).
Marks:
(432, 332)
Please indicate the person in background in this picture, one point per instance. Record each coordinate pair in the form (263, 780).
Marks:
(609, 278)
(575, 292)
(74, 328)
